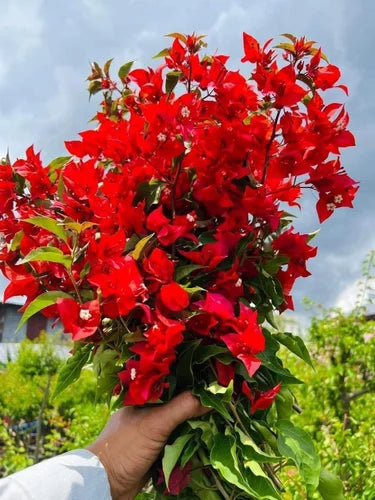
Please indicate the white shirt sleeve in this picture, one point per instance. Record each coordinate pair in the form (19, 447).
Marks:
(76, 475)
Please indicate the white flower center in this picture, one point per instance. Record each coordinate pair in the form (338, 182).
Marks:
(331, 206)
(162, 137)
(190, 218)
(338, 198)
(133, 373)
(85, 314)
(238, 283)
(185, 112)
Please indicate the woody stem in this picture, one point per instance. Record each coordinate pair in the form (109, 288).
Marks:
(269, 144)
(74, 283)
(174, 186)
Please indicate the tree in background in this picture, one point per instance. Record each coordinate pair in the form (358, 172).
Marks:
(338, 397)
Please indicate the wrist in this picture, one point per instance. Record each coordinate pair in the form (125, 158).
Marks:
(118, 489)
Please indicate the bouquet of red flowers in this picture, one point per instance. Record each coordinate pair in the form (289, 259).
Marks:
(164, 245)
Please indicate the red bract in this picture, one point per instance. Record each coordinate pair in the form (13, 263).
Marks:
(80, 320)
(174, 297)
(33, 171)
(248, 342)
(262, 400)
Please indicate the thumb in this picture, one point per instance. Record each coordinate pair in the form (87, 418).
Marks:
(178, 410)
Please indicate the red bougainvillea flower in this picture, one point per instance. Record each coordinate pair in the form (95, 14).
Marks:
(21, 283)
(37, 175)
(159, 269)
(174, 297)
(145, 378)
(295, 246)
(80, 320)
(178, 480)
(262, 400)
(121, 286)
(249, 340)
(7, 186)
(145, 381)
(225, 373)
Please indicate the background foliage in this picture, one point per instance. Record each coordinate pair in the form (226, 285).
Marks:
(71, 421)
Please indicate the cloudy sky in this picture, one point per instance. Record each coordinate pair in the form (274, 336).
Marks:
(46, 48)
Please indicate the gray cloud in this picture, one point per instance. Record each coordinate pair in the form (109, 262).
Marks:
(45, 52)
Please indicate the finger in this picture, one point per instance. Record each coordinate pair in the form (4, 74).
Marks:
(175, 412)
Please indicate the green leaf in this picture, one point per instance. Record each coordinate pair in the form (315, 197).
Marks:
(313, 234)
(251, 451)
(78, 227)
(271, 319)
(203, 353)
(273, 363)
(131, 242)
(72, 368)
(16, 240)
(259, 481)
(103, 360)
(171, 455)
(284, 403)
(243, 244)
(57, 163)
(183, 271)
(124, 70)
(141, 246)
(266, 434)
(212, 401)
(106, 369)
(225, 392)
(224, 459)
(192, 290)
(184, 372)
(94, 87)
(145, 496)
(295, 344)
(48, 254)
(180, 36)
(189, 451)
(253, 481)
(149, 191)
(208, 429)
(41, 302)
(50, 225)
(207, 237)
(202, 487)
(330, 486)
(296, 444)
(107, 66)
(162, 53)
(171, 81)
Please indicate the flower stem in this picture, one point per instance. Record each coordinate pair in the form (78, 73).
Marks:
(217, 481)
(237, 417)
(268, 147)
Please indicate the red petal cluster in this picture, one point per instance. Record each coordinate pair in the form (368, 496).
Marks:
(170, 221)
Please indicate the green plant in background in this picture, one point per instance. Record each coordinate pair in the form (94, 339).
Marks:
(338, 397)
(32, 426)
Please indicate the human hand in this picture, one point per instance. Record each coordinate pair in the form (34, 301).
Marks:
(133, 438)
